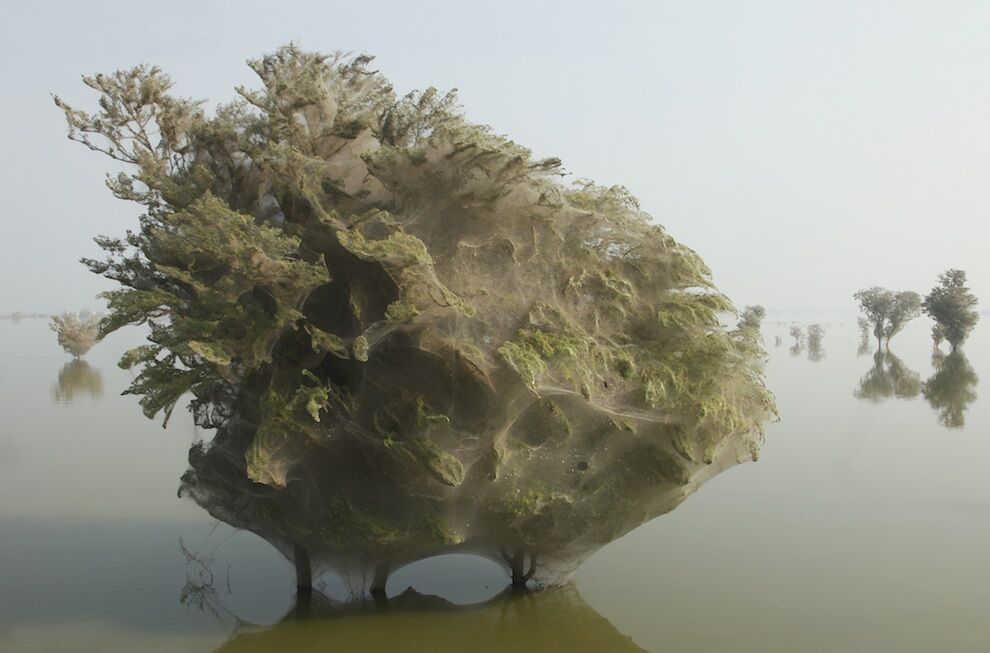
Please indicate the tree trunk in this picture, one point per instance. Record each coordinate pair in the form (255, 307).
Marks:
(304, 571)
(380, 580)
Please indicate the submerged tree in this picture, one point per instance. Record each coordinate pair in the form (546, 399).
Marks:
(816, 335)
(77, 332)
(953, 307)
(752, 317)
(889, 377)
(888, 311)
(952, 388)
(410, 336)
(798, 334)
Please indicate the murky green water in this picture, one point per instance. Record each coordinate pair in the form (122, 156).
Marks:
(864, 527)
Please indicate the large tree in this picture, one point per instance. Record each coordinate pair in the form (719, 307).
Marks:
(410, 336)
(888, 311)
(953, 307)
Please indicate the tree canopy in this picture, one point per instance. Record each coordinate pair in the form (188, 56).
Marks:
(888, 311)
(953, 307)
(409, 333)
(77, 332)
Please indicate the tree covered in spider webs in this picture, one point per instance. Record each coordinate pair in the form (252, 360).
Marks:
(410, 335)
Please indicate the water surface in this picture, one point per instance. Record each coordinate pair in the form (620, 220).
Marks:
(865, 526)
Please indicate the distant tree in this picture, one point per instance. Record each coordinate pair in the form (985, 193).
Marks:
(952, 388)
(952, 305)
(907, 306)
(778, 341)
(77, 332)
(752, 317)
(798, 334)
(888, 311)
(816, 334)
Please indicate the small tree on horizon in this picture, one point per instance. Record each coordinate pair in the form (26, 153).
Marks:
(752, 317)
(797, 333)
(77, 332)
(952, 305)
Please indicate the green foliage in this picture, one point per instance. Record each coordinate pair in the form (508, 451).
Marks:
(362, 291)
(888, 311)
(752, 317)
(953, 307)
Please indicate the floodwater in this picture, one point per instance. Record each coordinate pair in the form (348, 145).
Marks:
(865, 526)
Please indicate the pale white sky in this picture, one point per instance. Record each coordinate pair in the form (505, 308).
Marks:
(804, 148)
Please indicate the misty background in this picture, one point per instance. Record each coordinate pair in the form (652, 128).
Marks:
(805, 150)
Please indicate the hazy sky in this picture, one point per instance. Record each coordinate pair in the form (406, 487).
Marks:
(804, 149)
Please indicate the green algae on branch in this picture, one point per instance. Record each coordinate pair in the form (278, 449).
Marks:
(408, 332)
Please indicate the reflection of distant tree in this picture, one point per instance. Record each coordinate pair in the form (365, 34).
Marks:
(952, 388)
(816, 335)
(77, 377)
(864, 336)
(888, 377)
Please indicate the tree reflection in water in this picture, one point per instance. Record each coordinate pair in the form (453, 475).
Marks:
(952, 388)
(889, 377)
(77, 377)
(515, 620)
(816, 336)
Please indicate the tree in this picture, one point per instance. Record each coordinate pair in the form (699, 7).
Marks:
(888, 311)
(409, 336)
(797, 333)
(752, 317)
(77, 332)
(953, 307)
(906, 307)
